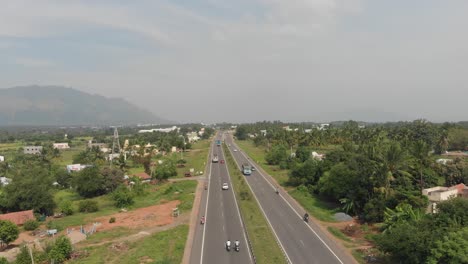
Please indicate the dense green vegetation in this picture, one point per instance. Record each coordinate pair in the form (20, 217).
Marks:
(375, 173)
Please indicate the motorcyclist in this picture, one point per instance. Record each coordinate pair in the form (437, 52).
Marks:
(202, 221)
(306, 217)
(237, 244)
(228, 244)
(277, 190)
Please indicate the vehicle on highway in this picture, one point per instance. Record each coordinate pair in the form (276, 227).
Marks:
(246, 169)
(221, 161)
(218, 142)
(228, 245)
(215, 159)
(253, 168)
(236, 245)
(235, 150)
(202, 220)
(306, 217)
(225, 186)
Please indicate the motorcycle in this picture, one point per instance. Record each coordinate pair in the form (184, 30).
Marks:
(202, 221)
(236, 247)
(306, 218)
(228, 245)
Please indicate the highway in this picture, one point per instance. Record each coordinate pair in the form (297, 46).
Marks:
(222, 219)
(302, 242)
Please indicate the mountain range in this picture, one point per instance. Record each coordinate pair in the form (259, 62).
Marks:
(61, 106)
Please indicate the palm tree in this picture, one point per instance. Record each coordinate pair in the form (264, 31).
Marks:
(420, 151)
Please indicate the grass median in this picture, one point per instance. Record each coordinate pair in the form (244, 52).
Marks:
(265, 247)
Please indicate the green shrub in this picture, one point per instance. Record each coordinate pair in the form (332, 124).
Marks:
(31, 225)
(9, 232)
(54, 225)
(88, 206)
(61, 251)
(122, 197)
(112, 220)
(3, 260)
(66, 207)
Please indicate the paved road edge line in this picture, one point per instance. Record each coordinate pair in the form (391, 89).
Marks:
(264, 215)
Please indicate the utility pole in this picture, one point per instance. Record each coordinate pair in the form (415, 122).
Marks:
(115, 145)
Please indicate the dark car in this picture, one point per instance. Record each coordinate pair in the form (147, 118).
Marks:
(221, 161)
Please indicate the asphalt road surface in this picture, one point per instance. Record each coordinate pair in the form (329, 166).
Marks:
(222, 220)
(302, 242)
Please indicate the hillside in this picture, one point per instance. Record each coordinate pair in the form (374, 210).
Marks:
(55, 105)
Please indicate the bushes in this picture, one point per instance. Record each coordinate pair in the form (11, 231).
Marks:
(122, 197)
(9, 232)
(88, 206)
(112, 220)
(61, 250)
(30, 225)
(66, 207)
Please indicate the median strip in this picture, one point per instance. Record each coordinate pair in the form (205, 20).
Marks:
(263, 243)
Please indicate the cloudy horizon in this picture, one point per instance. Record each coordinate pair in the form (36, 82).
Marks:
(247, 60)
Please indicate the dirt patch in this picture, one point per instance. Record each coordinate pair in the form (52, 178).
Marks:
(156, 215)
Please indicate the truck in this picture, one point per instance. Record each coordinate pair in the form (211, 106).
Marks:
(218, 142)
(215, 159)
(246, 169)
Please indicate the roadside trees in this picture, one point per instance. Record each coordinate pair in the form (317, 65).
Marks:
(9, 232)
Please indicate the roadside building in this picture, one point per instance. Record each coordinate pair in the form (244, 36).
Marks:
(143, 176)
(77, 167)
(4, 181)
(2, 158)
(92, 144)
(18, 218)
(438, 194)
(32, 150)
(61, 146)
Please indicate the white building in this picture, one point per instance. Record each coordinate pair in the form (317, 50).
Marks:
(76, 167)
(193, 137)
(263, 132)
(323, 126)
(165, 130)
(2, 158)
(32, 150)
(439, 194)
(444, 161)
(5, 181)
(61, 146)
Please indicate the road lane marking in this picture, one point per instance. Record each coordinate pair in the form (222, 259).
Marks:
(294, 210)
(237, 207)
(206, 208)
(264, 214)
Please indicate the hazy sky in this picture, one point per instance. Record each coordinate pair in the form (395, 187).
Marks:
(247, 60)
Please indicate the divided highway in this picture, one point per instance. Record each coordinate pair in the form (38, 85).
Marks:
(302, 242)
(222, 219)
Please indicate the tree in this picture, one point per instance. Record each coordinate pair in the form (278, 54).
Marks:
(307, 173)
(241, 133)
(451, 248)
(420, 151)
(89, 182)
(402, 213)
(61, 250)
(31, 188)
(112, 178)
(165, 170)
(407, 243)
(276, 155)
(9, 232)
(303, 153)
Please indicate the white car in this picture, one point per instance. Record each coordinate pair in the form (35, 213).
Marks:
(235, 150)
(225, 186)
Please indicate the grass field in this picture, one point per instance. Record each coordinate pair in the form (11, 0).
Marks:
(184, 191)
(196, 158)
(166, 247)
(265, 248)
